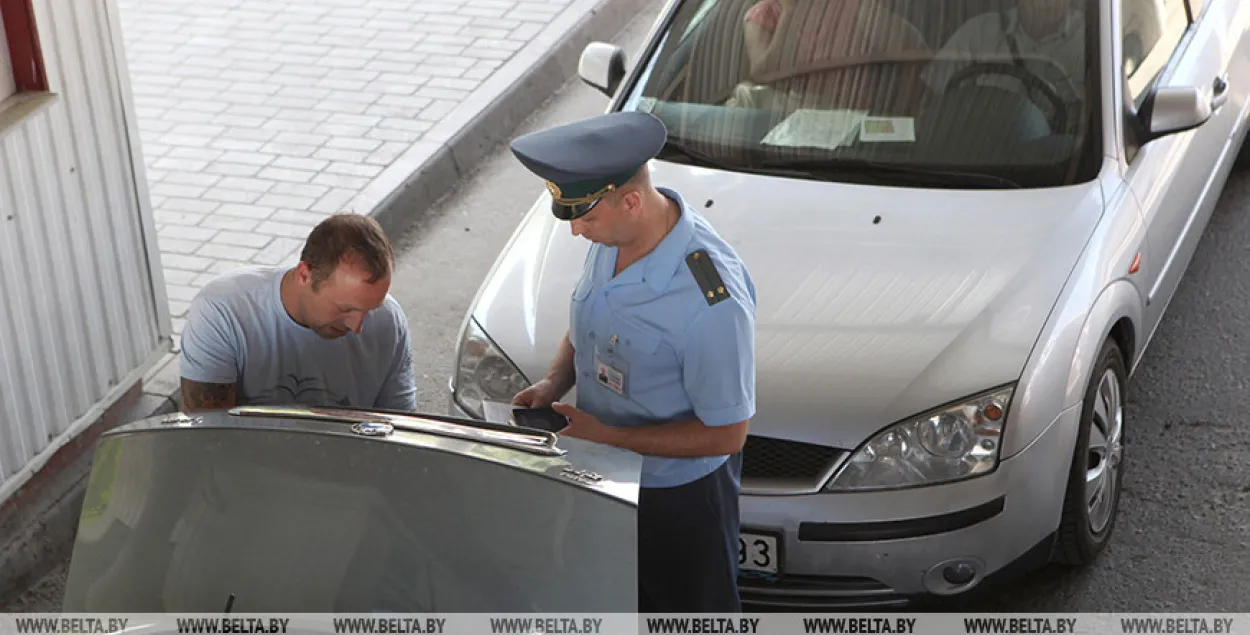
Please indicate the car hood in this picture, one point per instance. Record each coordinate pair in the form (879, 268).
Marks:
(874, 303)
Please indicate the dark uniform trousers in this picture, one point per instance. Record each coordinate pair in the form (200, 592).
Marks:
(688, 544)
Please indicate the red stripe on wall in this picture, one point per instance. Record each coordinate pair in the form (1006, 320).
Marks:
(24, 50)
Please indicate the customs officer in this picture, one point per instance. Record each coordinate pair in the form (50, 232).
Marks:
(661, 348)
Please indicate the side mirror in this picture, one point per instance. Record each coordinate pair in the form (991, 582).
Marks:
(602, 66)
(1173, 109)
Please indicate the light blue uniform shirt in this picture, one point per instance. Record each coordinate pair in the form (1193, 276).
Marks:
(237, 331)
(666, 354)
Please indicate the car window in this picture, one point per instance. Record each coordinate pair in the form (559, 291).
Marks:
(918, 93)
(1151, 31)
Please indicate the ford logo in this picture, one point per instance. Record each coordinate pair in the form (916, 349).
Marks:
(373, 429)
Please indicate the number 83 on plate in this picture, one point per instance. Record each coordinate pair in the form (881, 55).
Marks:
(757, 552)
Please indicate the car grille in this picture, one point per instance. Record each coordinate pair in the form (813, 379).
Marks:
(809, 591)
(782, 466)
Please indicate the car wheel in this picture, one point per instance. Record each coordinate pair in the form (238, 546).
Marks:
(1094, 481)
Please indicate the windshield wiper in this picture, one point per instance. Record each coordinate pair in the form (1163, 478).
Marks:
(684, 153)
(680, 151)
(818, 168)
(892, 171)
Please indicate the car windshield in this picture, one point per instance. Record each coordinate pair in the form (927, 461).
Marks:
(923, 93)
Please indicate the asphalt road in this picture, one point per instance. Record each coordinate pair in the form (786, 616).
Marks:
(1182, 541)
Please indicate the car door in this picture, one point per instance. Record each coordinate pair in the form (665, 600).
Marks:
(1177, 179)
(1222, 39)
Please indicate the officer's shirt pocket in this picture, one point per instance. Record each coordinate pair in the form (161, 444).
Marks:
(654, 375)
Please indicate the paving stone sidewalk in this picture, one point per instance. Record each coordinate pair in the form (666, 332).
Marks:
(260, 117)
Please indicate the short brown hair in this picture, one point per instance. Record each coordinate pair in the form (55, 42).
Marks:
(343, 236)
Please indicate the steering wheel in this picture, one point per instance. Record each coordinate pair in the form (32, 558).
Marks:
(1028, 77)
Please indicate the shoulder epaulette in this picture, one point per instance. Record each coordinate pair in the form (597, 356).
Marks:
(706, 275)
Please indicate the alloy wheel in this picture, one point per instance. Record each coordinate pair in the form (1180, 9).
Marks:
(1106, 449)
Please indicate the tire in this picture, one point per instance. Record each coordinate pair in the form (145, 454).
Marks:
(1085, 529)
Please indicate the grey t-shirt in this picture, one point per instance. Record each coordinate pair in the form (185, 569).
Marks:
(238, 331)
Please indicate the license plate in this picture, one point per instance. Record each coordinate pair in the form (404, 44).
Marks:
(758, 552)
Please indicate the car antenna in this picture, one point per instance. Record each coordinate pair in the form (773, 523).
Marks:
(229, 602)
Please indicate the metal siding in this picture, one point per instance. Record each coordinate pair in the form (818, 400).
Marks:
(79, 322)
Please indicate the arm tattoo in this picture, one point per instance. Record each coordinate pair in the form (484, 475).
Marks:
(201, 396)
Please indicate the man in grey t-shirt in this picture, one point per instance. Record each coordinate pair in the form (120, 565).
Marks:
(323, 333)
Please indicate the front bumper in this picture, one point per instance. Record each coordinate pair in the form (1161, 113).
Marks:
(882, 548)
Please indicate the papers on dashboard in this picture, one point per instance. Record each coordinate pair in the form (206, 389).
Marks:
(805, 128)
(878, 129)
(833, 129)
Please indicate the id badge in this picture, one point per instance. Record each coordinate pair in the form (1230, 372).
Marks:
(612, 373)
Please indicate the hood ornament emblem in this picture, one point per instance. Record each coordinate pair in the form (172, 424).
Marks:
(583, 476)
(373, 429)
(179, 417)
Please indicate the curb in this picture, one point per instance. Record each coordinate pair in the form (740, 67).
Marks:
(449, 151)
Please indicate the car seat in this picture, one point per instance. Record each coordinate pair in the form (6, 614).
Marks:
(871, 60)
(717, 59)
(937, 20)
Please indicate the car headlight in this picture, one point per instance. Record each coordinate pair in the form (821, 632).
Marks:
(949, 444)
(483, 372)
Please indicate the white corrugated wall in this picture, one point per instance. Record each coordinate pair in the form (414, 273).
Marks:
(81, 319)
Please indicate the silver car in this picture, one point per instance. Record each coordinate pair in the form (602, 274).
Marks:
(964, 218)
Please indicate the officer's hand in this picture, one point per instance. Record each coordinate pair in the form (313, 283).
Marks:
(585, 426)
(539, 395)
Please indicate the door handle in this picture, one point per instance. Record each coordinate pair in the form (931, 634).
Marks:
(1219, 92)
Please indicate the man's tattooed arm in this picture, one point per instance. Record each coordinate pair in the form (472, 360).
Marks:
(201, 396)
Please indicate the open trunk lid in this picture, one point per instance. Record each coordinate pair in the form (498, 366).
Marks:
(316, 510)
